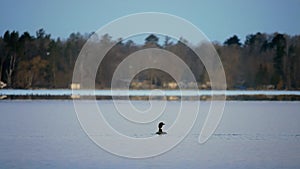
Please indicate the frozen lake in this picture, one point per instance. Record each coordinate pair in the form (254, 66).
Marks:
(252, 134)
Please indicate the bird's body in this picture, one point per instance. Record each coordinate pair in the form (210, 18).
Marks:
(160, 132)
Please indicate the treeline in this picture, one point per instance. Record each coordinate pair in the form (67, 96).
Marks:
(262, 61)
(28, 61)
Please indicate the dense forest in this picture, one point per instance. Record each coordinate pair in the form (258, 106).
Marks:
(262, 61)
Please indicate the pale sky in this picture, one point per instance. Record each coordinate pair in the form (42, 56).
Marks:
(217, 19)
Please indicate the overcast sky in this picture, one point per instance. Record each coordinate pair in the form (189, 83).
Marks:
(217, 19)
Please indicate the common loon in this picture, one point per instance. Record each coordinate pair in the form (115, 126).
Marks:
(160, 125)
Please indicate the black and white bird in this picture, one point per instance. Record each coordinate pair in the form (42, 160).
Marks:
(160, 132)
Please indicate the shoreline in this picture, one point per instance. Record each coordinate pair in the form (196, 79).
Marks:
(169, 95)
(145, 98)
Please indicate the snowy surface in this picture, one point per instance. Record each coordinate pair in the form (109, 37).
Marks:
(47, 134)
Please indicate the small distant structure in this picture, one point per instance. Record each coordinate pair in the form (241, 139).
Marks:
(75, 86)
(75, 96)
(267, 87)
(270, 87)
(206, 85)
(137, 85)
(173, 98)
(3, 97)
(192, 85)
(172, 85)
(2, 84)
